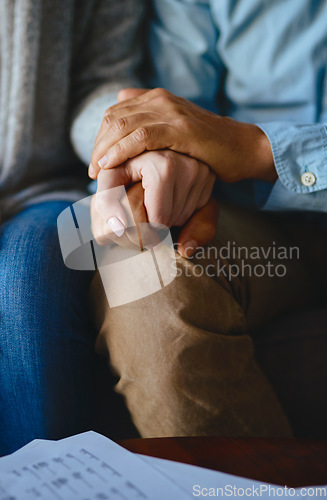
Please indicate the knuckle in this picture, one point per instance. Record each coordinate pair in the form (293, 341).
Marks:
(122, 95)
(157, 215)
(163, 100)
(165, 155)
(141, 134)
(166, 99)
(119, 148)
(176, 109)
(166, 169)
(193, 169)
(169, 162)
(194, 165)
(119, 125)
(183, 123)
(106, 121)
(159, 91)
(108, 116)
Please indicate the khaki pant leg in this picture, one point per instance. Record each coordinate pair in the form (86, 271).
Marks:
(183, 355)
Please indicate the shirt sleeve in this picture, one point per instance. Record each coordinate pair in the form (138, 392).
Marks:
(300, 156)
(107, 59)
(183, 50)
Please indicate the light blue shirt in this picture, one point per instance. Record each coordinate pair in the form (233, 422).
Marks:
(258, 61)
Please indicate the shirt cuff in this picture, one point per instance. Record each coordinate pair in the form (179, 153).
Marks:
(300, 155)
(281, 198)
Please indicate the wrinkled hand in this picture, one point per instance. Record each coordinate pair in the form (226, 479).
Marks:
(198, 231)
(157, 119)
(175, 186)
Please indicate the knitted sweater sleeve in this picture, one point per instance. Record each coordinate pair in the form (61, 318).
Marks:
(107, 60)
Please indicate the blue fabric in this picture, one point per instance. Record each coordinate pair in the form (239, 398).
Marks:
(262, 62)
(46, 339)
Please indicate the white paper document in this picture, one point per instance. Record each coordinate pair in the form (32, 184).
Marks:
(89, 466)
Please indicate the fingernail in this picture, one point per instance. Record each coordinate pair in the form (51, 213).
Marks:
(116, 226)
(189, 248)
(91, 171)
(103, 161)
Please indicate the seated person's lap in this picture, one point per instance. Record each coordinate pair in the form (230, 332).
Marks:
(46, 341)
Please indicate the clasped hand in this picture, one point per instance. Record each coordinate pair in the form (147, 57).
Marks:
(175, 150)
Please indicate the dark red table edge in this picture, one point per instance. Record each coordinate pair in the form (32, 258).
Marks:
(286, 462)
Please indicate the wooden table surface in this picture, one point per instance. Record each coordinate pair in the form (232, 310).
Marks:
(287, 462)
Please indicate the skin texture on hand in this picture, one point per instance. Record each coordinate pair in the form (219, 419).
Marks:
(174, 190)
(157, 119)
(198, 231)
(175, 186)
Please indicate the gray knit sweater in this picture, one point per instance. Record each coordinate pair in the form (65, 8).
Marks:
(62, 63)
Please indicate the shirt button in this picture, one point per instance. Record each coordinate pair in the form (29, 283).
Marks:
(308, 179)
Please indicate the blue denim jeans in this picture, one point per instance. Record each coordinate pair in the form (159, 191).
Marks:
(46, 336)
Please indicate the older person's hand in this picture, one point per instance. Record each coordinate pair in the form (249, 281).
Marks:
(157, 119)
(177, 190)
(198, 231)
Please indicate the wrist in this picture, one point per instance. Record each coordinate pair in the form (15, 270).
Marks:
(247, 154)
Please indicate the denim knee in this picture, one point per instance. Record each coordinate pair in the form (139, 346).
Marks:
(46, 341)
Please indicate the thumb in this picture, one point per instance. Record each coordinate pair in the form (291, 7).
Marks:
(199, 230)
(130, 93)
(122, 211)
(110, 191)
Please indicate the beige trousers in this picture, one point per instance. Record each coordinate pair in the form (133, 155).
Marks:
(184, 355)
